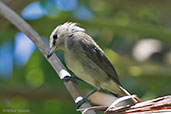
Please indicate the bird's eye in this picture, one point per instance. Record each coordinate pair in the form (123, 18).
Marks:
(55, 36)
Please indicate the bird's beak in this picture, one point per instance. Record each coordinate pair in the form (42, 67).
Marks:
(51, 51)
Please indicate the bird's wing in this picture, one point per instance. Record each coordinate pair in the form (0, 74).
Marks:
(94, 53)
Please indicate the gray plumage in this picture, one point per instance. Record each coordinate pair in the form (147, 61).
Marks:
(85, 58)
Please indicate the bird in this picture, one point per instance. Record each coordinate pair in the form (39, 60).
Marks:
(86, 59)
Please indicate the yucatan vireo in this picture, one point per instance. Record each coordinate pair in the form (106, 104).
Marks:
(85, 58)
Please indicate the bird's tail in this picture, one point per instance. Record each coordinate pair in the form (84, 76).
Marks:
(123, 92)
(117, 89)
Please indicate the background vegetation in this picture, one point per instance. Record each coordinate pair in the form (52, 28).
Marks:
(135, 35)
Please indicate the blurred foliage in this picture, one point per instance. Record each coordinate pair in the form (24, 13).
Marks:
(116, 25)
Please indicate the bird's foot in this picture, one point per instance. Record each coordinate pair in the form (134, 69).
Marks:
(80, 102)
(68, 78)
(84, 99)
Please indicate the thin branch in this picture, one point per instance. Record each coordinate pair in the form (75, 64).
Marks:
(24, 27)
(17, 6)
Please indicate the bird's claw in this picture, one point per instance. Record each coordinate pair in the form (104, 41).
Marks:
(67, 78)
(80, 102)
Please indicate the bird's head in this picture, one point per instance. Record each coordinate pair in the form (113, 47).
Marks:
(60, 34)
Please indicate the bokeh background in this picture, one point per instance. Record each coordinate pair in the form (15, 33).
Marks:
(134, 34)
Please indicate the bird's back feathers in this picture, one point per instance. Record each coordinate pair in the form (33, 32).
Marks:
(94, 53)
